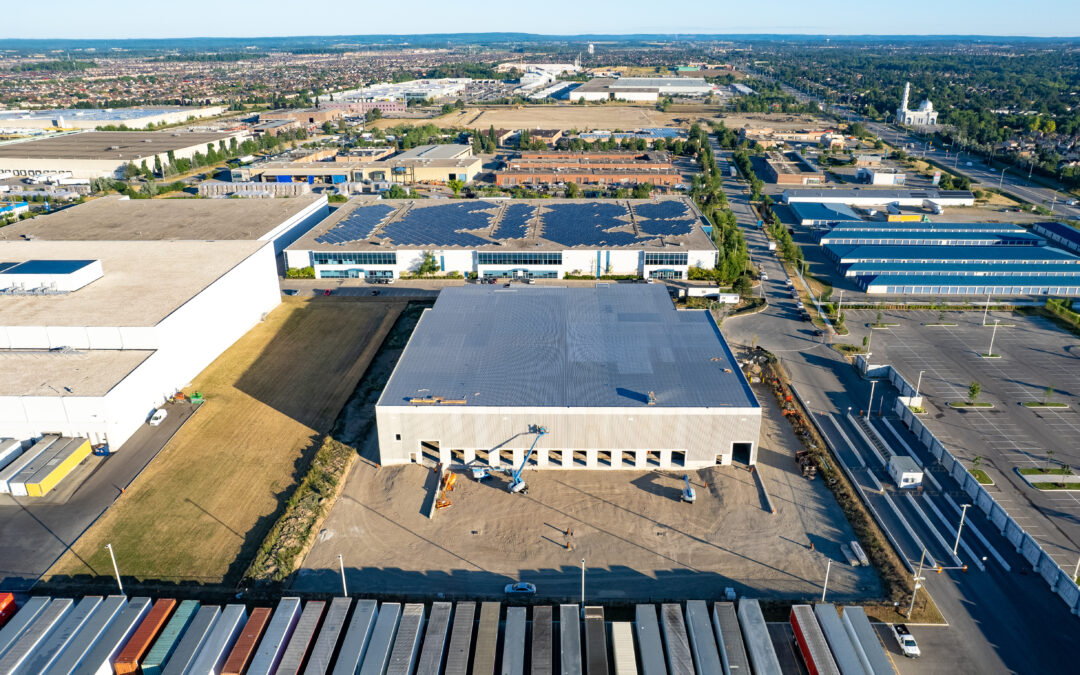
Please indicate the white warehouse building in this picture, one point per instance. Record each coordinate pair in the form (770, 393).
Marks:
(880, 197)
(604, 377)
(94, 335)
(540, 239)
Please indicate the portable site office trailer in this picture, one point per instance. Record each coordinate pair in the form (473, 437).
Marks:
(322, 653)
(10, 449)
(300, 643)
(354, 645)
(650, 646)
(866, 642)
(244, 649)
(569, 640)
(729, 639)
(540, 650)
(435, 640)
(278, 631)
(99, 660)
(223, 635)
(847, 659)
(21, 621)
(487, 639)
(680, 662)
(46, 654)
(198, 631)
(811, 641)
(19, 463)
(513, 651)
(702, 642)
(36, 634)
(89, 635)
(457, 658)
(596, 656)
(622, 648)
(407, 643)
(382, 640)
(756, 636)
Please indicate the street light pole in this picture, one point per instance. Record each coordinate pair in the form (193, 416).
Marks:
(344, 588)
(871, 403)
(824, 588)
(840, 305)
(986, 308)
(583, 584)
(963, 512)
(918, 384)
(994, 333)
(918, 578)
(116, 570)
(1002, 179)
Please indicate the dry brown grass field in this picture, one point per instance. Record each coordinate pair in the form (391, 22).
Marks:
(200, 510)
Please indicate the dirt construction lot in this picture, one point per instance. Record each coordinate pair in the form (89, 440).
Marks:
(200, 510)
(579, 117)
(638, 539)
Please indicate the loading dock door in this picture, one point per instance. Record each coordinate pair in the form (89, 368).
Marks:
(740, 452)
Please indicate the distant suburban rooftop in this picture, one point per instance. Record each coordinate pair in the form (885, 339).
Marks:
(607, 346)
(514, 225)
(29, 372)
(117, 218)
(97, 144)
(884, 226)
(143, 282)
(445, 151)
(103, 115)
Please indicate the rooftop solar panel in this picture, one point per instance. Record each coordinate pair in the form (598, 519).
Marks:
(515, 222)
(586, 225)
(357, 225)
(441, 225)
(665, 210)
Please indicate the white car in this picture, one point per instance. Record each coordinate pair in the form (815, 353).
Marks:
(764, 276)
(158, 417)
(801, 305)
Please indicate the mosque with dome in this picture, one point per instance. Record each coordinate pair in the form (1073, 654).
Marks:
(925, 116)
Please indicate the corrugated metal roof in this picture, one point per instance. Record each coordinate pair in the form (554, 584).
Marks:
(607, 346)
(992, 238)
(976, 282)
(1066, 232)
(849, 253)
(827, 212)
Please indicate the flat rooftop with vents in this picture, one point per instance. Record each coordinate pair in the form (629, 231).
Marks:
(617, 376)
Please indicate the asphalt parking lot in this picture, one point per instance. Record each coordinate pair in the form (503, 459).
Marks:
(1035, 355)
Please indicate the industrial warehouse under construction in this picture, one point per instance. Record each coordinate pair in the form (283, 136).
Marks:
(614, 375)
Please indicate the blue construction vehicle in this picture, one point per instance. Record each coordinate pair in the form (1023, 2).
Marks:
(517, 485)
(689, 495)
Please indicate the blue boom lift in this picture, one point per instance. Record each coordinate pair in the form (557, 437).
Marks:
(517, 485)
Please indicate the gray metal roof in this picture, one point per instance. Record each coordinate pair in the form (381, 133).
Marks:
(545, 346)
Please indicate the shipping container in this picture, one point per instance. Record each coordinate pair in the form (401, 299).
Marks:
(863, 636)
(596, 656)
(406, 647)
(487, 639)
(21, 620)
(46, 654)
(101, 657)
(843, 651)
(729, 639)
(699, 630)
(811, 641)
(435, 639)
(322, 653)
(244, 649)
(10, 449)
(36, 634)
(569, 640)
(756, 636)
(223, 635)
(679, 660)
(192, 641)
(278, 631)
(513, 649)
(164, 646)
(382, 640)
(650, 646)
(541, 648)
(92, 630)
(354, 644)
(300, 642)
(623, 653)
(17, 465)
(58, 468)
(457, 657)
(19, 484)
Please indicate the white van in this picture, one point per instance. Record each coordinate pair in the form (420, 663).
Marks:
(158, 417)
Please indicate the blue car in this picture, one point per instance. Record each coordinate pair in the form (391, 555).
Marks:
(520, 588)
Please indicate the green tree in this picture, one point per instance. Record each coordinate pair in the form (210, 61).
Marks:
(130, 171)
(572, 190)
(373, 114)
(642, 191)
(973, 391)
(1048, 393)
(397, 192)
(428, 265)
(328, 128)
(456, 186)
(743, 286)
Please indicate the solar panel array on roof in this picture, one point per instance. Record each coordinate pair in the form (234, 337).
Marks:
(47, 267)
(440, 225)
(357, 225)
(515, 222)
(586, 225)
(665, 210)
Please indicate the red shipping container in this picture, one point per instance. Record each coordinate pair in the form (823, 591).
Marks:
(244, 649)
(144, 636)
(7, 607)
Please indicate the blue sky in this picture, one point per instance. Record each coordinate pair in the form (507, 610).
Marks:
(243, 18)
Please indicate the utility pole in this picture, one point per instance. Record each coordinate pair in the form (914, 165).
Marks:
(344, 588)
(963, 512)
(918, 578)
(870, 405)
(824, 588)
(115, 569)
(840, 305)
(1002, 179)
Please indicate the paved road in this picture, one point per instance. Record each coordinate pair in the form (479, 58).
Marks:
(35, 532)
(1000, 621)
